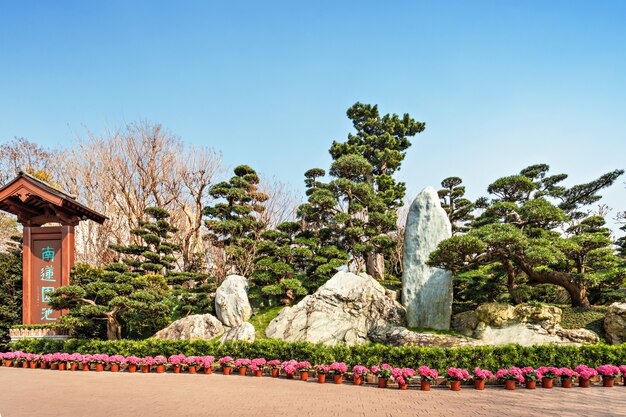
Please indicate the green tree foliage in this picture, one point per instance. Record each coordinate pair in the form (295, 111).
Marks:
(233, 222)
(10, 290)
(357, 209)
(453, 201)
(537, 230)
(131, 296)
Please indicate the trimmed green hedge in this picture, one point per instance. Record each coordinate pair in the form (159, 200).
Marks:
(489, 357)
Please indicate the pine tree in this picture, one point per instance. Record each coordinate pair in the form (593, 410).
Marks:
(453, 201)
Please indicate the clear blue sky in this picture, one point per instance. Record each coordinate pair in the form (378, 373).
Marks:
(500, 84)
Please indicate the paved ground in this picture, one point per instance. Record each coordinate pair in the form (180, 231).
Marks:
(45, 393)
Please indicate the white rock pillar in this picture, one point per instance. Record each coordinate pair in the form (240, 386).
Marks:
(426, 291)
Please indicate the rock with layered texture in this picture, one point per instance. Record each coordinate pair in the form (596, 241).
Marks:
(346, 309)
(426, 291)
(401, 336)
(615, 323)
(197, 326)
(231, 301)
(244, 331)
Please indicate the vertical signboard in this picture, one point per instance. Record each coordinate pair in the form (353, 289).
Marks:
(47, 269)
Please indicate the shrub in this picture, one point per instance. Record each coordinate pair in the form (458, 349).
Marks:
(485, 357)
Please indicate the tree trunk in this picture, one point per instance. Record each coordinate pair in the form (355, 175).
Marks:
(375, 266)
(114, 330)
(576, 291)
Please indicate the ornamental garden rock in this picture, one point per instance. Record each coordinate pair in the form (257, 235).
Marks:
(231, 301)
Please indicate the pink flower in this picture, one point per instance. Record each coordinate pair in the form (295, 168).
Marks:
(193, 361)
(339, 368)
(274, 363)
(289, 366)
(375, 369)
(427, 374)
(259, 362)
(147, 361)
(207, 361)
(226, 361)
(303, 366)
(585, 372)
(360, 370)
(322, 369)
(622, 369)
(133, 360)
(480, 374)
(457, 374)
(242, 363)
(513, 373)
(608, 371)
(567, 373)
(547, 372)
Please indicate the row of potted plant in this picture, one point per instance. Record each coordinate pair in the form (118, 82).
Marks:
(338, 370)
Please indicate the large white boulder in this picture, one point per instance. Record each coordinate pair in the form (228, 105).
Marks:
(615, 324)
(426, 291)
(197, 326)
(231, 301)
(343, 310)
(242, 332)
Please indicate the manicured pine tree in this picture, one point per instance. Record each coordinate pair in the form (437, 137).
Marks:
(453, 201)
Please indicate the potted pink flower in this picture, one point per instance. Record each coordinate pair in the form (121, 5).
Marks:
(530, 377)
(510, 376)
(585, 373)
(46, 360)
(289, 368)
(455, 376)
(358, 372)
(176, 362)
(227, 364)
(193, 363)
(146, 364)
(567, 377)
(403, 376)
(427, 377)
(75, 359)
(115, 361)
(321, 371)
(85, 361)
(160, 362)
(133, 362)
(383, 373)
(242, 365)
(7, 358)
(256, 366)
(101, 360)
(608, 373)
(35, 361)
(338, 369)
(20, 360)
(274, 366)
(547, 374)
(207, 362)
(303, 369)
(63, 359)
(479, 376)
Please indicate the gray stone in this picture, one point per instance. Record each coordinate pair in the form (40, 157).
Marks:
(615, 323)
(343, 310)
(242, 332)
(401, 336)
(426, 291)
(231, 301)
(197, 326)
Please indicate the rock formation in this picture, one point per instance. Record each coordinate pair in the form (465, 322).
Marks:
(426, 291)
(244, 331)
(343, 310)
(499, 324)
(197, 326)
(615, 324)
(231, 301)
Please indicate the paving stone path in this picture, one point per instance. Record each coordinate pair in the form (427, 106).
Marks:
(45, 393)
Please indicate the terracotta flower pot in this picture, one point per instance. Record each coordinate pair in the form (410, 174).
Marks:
(115, 367)
(358, 379)
(546, 382)
(510, 384)
(382, 382)
(289, 376)
(337, 379)
(424, 385)
(258, 373)
(62, 366)
(73, 367)
(145, 369)
(8, 363)
(404, 386)
(304, 376)
(608, 382)
(193, 369)
(455, 385)
(479, 384)
(176, 369)
(26, 364)
(275, 372)
(86, 367)
(583, 382)
(54, 366)
(208, 370)
(566, 382)
(99, 367)
(132, 368)
(44, 365)
(160, 368)
(321, 378)
(32, 365)
(530, 384)
(243, 370)
(227, 370)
